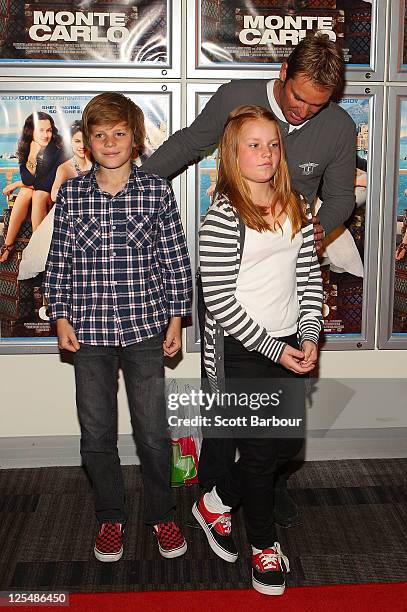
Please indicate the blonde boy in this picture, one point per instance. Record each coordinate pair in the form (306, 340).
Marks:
(118, 281)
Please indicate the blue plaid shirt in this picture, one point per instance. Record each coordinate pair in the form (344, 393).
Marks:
(118, 266)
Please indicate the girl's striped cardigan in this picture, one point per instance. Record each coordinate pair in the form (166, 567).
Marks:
(221, 242)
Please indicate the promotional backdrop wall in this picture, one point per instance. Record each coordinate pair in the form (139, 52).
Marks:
(37, 408)
(121, 38)
(235, 36)
(349, 257)
(23, 320)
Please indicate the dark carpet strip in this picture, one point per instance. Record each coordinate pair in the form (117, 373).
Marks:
(345, 496)
(19, 503)
(352, 530)
(141, 575)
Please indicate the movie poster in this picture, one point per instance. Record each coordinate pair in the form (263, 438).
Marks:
(404, 50)
(84, 31)
(343, 254)
(23, 311)
(256, 32)
(206, 170)
(400, 256)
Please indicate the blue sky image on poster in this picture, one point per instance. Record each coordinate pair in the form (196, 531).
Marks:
(358, 109)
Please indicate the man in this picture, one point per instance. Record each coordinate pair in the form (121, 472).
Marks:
(320, 142)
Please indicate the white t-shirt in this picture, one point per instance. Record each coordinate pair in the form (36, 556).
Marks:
(266, 283)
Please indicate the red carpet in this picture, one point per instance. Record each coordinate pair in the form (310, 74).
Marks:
(343, 598)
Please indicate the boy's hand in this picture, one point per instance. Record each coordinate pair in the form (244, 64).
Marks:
(299, 361)
(172, 342)
(67, 339)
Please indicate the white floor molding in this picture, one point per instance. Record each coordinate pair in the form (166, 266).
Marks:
(30, 452)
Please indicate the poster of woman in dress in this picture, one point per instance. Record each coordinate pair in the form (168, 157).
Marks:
(40, 147)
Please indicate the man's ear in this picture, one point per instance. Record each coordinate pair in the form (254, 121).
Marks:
(283, 72)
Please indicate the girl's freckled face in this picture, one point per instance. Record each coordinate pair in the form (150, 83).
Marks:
(258, 150)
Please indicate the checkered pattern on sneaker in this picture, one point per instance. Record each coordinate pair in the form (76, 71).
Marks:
(218, 530)
(171, 542)
(268, 567)
(109, 542)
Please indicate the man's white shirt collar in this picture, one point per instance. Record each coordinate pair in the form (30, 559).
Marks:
(276, 109)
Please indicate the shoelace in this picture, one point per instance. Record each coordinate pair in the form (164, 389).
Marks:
(225, 523)
(271, 558)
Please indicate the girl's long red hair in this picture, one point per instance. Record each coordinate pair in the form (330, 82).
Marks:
(234, 186)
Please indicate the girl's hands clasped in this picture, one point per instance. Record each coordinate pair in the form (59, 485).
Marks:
(300, 361)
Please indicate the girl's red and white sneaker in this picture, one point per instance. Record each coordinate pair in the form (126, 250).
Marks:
(268, 567)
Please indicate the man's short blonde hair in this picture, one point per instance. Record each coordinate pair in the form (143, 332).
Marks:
(111, 108)
(320, 59)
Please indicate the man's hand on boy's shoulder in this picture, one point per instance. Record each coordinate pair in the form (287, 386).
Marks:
(173, 342)
(67, 339)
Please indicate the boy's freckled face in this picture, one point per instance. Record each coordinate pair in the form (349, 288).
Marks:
(112, 146)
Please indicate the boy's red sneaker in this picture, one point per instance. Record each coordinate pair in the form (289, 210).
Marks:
(171, 542)
(109, 542)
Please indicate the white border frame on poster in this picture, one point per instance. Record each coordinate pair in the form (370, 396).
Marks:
(396, 70)
(387, 339)
(373, 72)
(112, 70)
(49, 345)
(366, 339)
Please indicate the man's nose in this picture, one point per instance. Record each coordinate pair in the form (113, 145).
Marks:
(303, 111)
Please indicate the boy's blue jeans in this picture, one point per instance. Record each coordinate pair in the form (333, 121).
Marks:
(96, 375)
